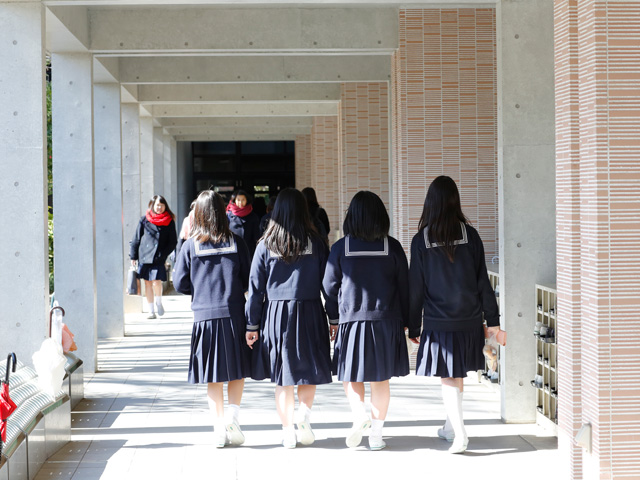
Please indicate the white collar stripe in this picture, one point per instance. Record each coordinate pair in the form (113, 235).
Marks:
(461, 241)
(365, 253)
(203, 251)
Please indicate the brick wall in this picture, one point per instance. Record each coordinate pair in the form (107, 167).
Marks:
(365, 140)
(445, 115)
(303, 161)
(325, 172)
(598, 225)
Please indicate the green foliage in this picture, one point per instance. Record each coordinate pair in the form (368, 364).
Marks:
(50, 183)
(49, 142)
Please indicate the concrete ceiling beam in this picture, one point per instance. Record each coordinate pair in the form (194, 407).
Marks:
(246, 110)
(232, 129)
(236, 137)
(225, 30)
(260, 69)
(284, 3)
(253, 92)
(67, 32)
(186, 122)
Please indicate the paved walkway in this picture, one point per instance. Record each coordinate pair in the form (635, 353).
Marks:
(140, 419)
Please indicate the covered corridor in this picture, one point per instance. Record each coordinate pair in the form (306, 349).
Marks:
(532, 106)
(140, 419)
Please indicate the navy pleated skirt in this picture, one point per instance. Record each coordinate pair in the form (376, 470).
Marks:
(370, 351)
(219, 351)
(293, 348)
(152, 271)
(450, 354)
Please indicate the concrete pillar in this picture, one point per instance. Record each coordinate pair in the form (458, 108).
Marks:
(131, 201)
(24, 283)
(73, 198)
(158, 161)
(526, 172)
(166, 169)
(173, 157)
(186, 194)
(147, 187)
(108, 191)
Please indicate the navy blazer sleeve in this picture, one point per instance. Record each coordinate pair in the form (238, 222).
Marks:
(171, 242)
(416, 288)
(487, 295)
(182, 274)
(135, 241)
(402, 282)
(331, 284)
(257, 288)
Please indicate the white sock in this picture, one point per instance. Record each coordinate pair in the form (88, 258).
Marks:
(287, 431)
(232, 413)
(158, 300)
(447, 427)
(358, 409)
(452, 399)
(376, 428)
(218, 425)
(152, 308)
(304, 412)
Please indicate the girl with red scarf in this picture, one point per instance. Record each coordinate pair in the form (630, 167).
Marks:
(243, 221)
(153, 242)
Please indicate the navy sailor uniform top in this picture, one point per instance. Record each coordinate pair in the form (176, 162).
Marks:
(367, 281)
(215, 275)
(450, 296)
(272, 278)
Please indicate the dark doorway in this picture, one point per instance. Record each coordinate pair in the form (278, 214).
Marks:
(260, 168)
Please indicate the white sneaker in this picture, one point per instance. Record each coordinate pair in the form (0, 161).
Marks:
(220, 439)
(447, 435)
(355, 434)
(305, 432)
(152, 316)
(160, 309)
(376, 442)
(289, 439)
(459, 446)
(234, 433)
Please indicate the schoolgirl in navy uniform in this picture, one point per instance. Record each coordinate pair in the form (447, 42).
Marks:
(450, 293)
(154, 240)
(285, 314)
(213, 267)
(367, 285)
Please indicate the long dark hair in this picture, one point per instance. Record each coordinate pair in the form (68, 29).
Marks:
(312, 200)
(163, 201)
(367, 218)
(290, 226)
(210, 223)
(442, 213)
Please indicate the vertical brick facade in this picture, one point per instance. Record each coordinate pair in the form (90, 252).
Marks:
(325, 171)
(365, 140)
(444, 91)
(598, 105)
(303, 161)
(568, 233)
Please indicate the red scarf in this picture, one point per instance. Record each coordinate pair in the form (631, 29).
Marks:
(162, 219)
(240, 212)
